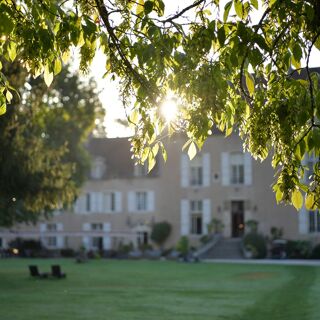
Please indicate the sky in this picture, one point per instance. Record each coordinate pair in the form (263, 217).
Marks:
(109, 90)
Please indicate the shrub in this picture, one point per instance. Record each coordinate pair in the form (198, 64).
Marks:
(298, 249)
(204, 239)
(183, 245)
(160, 232)
(316, 252)
(257, 244)
(276, 233)
(252, 226)
(67, 253)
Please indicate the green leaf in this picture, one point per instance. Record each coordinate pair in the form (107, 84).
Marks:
(186, 144)
(227, 8)
(6, 24)
(297, 52)
(310, 201)
(255, 4)
(238, 7)
(297, 199)
(148, 7)
(3, 109)
(192, 151)
(221, 36)
(250, 83)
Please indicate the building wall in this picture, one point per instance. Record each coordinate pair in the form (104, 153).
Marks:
(172, 196)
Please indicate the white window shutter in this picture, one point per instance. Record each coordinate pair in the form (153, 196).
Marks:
(303, 221)
(60, 242)
(59, 226)
(206, 172)
(150, 201)
(184, 217)
(80, 205)
(86, 242)
(131, 201)
(206, 218)
(118, 201)
(225, 169)
(43, 227)
(86, 227)
(106, 243)
(106, 227)
(184, 166)
(247, 169)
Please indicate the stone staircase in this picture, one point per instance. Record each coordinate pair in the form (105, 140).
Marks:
(225, 249)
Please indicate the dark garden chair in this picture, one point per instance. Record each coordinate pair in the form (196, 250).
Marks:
(34, 272)
(56, 272)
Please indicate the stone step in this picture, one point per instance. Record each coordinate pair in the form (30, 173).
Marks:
(226, 249)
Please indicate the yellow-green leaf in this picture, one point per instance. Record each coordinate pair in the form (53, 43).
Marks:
(151, 162)
(297, 199)
(238, 7)
(228, 131)
(309, 202)
(140, 7)
(57, 66)
(9, 96)
(250, 83)
(134, 117)
(48, 76)
(155, 149)
(12, 50)
(192, 151)
(3, 109)
(279, 195)
(65, 57)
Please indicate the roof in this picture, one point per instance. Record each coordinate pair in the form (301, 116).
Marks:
(116, 155)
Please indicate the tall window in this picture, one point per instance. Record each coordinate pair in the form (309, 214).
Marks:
(51, 227)
(196, 172)
(314, 221)
(141, 201)
(196, 216)
(237, 168)
(51, 241)
(96, 226)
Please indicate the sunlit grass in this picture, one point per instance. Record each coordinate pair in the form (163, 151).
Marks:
(125, 290)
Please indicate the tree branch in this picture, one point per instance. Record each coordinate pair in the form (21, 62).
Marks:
(179, 14)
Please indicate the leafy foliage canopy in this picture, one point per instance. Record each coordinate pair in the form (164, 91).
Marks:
(230, 70)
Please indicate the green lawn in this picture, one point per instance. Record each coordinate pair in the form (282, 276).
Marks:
(129, 290)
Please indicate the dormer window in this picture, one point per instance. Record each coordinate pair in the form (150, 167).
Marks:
(98, 168)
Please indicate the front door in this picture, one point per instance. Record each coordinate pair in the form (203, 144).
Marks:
(237, 218)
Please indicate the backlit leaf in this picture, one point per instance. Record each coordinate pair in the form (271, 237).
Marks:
(297, 199)
(250, 83)
(192, 151)
(309, 202)
(3, 109)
